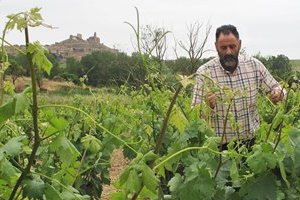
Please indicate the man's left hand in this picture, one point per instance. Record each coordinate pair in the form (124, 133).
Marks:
(276, 95)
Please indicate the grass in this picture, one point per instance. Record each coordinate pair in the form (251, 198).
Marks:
(57, 92)
(67, 96)
(295, 64)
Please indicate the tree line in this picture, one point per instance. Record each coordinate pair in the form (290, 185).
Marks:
(102, 68)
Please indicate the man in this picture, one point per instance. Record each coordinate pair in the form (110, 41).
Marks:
(229, 84)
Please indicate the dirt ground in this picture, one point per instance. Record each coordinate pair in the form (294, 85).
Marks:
(46, 84)
(118, 162)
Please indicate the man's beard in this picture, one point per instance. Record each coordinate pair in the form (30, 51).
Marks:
(229, 62)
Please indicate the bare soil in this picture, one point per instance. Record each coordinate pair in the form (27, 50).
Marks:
(46, 84)
(118, 163)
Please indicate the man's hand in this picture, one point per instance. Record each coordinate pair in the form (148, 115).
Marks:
(277, 95)
(211, 100)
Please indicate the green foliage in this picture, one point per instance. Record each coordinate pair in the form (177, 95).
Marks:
(294, 136)
(51, 193)
(279, 65)
(13, 147)
(8, 171)
(70, 149)
(261, 188)
(21, 20)
(74, 70)
(7, 110)
(34, 189)
(110, 68)
(197, 184)
(262, 158)
(18, 104)
(19, 65)
(137, 175)
(56, 69)
(16, 69)
(182, 65)
(92, 143)
(295, 65)
(39, 58)
(65, 149)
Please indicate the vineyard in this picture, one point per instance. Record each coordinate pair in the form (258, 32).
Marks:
(56, 150)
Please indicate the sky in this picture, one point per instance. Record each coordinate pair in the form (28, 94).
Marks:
(268, 27)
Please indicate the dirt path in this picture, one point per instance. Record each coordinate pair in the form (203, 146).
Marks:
(118, 163)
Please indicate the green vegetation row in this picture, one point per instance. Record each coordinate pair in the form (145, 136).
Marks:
(56, 151)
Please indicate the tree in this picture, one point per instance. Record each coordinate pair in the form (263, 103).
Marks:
(182, 65)
(194, 47)
(103, 67)
(154, 42)
(96, 66)
(15, 69)
(279, 65)
(73, 71)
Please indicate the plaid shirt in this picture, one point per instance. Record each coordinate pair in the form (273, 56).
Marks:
(247, 80)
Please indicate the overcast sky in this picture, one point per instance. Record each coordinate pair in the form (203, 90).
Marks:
(270, 27)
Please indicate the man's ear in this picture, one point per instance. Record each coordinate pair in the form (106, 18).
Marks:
(240, 43)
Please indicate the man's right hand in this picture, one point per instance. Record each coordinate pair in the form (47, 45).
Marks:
(211, 100)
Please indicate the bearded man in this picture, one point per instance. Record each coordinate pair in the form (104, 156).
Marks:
(241, 78)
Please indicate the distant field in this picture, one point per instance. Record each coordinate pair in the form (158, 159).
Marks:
(295, 64)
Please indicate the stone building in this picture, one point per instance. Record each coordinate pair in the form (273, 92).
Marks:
(77, 47)
(74, 46)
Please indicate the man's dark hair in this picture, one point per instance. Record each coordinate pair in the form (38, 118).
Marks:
(226, 30)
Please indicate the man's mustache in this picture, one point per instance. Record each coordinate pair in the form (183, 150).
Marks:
(230, 58)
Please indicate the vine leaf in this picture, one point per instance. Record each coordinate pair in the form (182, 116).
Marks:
(186, 80)
(260, 188)
(294, 136)
(7, 110)
(34, 188)
(175, 182)
(92, 143)
(72, 194)
(51, 193)
(234, 173)
(22, 103)
(65, 149)
(134, 183)
(39, 58)
(118, 196)
(7, 170)
(16, 105)
(13, 147)
(262, 159)
(24, 19)
(198, 184)
(59, 123)
(149, 178)
(137, 175)
(178, 119)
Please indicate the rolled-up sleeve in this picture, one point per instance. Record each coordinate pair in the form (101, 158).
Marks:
(268, 82)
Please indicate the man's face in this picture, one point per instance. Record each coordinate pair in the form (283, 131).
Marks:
(228, 47)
